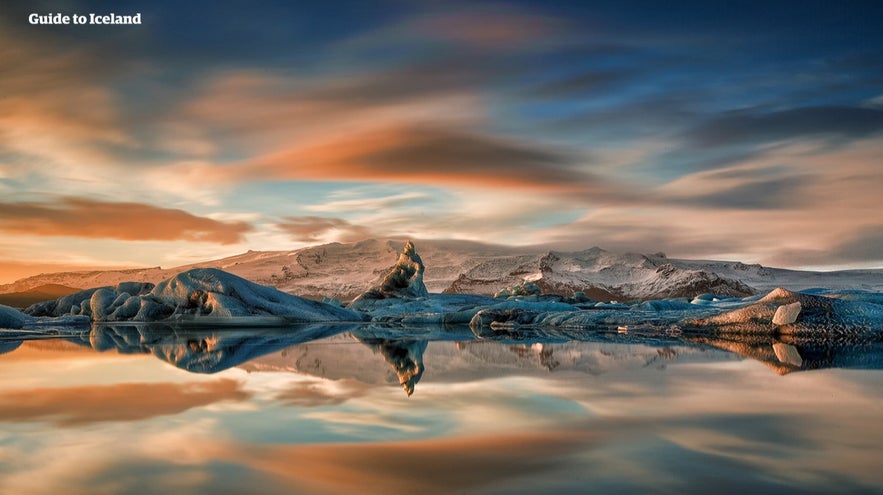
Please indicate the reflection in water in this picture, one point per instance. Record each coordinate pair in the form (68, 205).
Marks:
(202, 351)
(786, 354)
(9, 346)
(211, 351)
(544, 353)
(311, 410)
(405, 357)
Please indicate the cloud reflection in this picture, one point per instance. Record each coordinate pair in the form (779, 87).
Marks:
(88, 404)
(703, 422)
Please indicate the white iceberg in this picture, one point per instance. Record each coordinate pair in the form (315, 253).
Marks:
(202, 295)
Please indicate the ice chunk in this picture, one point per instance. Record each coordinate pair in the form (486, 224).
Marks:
(404, 281)
(12, 318)
(787, 313)
(526, 288)
(199, 293)
(778, 311)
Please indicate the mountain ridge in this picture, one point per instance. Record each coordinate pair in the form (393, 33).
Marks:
(343, 271)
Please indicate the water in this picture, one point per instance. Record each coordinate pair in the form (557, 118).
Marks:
(152, 409)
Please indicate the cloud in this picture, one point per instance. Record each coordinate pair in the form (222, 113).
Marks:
(311, 229)
(580, 84)
(489, 27)
(432, 155)
(369, 204)
(768, 194)
(58, 106)
(283, 109)
(89, 404)
(754, 127)
(439, 74)
(660, 115)
(794, 206)
(866, 246)
(79, 217)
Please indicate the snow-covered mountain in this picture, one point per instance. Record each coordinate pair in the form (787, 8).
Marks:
(344, 271)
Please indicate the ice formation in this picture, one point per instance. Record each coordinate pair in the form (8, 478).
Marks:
(199, 294)
(786, 312)
(209, 296)
(404, 281)
(12, 318)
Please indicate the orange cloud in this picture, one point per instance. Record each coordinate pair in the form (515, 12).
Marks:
(430, 155)
(58, 109)
(78, 217)
(89, 404)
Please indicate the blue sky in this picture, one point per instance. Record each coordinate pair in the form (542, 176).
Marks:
(747, 130)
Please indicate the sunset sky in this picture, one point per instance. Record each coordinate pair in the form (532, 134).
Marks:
(736, 130)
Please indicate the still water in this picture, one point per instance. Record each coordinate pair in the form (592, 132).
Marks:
(327, 410)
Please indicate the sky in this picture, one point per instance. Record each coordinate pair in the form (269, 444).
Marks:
(725, 130)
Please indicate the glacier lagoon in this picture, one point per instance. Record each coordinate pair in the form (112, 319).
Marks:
(370, 409)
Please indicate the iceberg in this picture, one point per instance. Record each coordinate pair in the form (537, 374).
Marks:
(202, 296)
(786, 312)
(12, 318)
(403, 282)
(402, 296)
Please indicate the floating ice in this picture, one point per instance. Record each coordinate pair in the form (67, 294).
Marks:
(202, 294)
(786, 312)
(12, 318)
